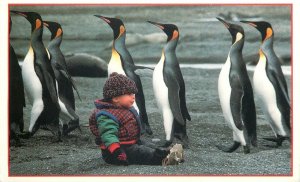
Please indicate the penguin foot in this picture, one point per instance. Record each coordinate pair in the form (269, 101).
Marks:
(229, 149)
(14, 140)
(246, 149)
(184, 140)
(278, 140)
(166, 144)
(65, 129)
(24, 135)
(70, 127)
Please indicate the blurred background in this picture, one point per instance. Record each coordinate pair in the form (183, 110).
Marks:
(203, 39)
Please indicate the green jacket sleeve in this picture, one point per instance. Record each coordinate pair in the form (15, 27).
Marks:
(108, 129)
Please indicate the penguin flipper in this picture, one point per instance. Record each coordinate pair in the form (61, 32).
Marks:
(236, 98)
(280, 85)
(66, 74)
(281, 90)
(174, 99)
(49, 82)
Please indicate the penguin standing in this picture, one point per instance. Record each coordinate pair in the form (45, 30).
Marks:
(169, 88)
(270, 85)
(122, 63)
(236, 95)
(64, 81)
(16, 94)
(39, 80)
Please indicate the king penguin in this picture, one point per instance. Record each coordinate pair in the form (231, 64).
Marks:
(169, 88)
(64, 81)
(39, 80)
(122, 63)
(236, 94)
(270, 85)
(16, 95)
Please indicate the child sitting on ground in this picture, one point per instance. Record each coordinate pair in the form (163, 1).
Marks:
(117, 128)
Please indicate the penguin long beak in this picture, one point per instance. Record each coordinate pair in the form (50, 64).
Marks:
(227, 25)
(46, 24)
(159, 25)
(19, 13)
(249, 23)
(106, 19)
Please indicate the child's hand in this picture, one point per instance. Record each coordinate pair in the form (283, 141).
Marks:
(120, 157)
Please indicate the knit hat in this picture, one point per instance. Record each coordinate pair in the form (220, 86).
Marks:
(118, 84)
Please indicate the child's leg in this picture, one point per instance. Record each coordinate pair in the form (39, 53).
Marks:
(141, 154)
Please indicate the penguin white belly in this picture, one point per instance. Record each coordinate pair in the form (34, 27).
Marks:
(33, 87)
(224, 90)
(265, 92)
(161, 95)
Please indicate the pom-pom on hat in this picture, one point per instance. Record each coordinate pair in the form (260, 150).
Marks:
(118, 84)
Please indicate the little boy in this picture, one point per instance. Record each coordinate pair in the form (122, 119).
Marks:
(117, 127)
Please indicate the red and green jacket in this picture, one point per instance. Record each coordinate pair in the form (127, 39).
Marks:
(114, 125)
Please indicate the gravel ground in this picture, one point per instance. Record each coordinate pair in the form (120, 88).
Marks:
(78, 154)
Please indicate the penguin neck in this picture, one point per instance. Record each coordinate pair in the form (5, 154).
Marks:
(237, 46)
(36, 35)
(54, 43)
(169, 53)
(54, 50)
(267, 44)
(171, 45)
(120, 47)
(119, 43)
(36, 39)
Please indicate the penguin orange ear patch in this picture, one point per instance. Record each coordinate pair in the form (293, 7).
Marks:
(175, 34)
(122, 30)
(38, 23)
(58, 33)
(269, 33)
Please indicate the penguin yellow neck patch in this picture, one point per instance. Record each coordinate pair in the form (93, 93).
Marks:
(58, 33)
(38, 23)
(162, 56)
(115, 55)
(262, 56)
(269, 33)
(175, 35)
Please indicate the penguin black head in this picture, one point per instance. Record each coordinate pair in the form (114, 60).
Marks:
(55, 29)
(116, 24)
(170, 29)
(34, 18)
(233, 29)
(263, 27)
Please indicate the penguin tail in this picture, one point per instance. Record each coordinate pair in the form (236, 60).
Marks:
(229, 149)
